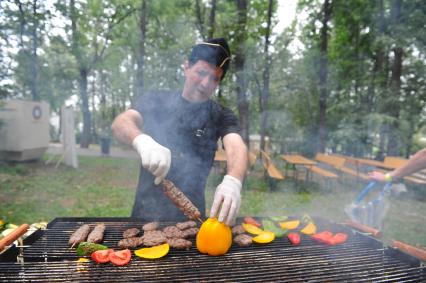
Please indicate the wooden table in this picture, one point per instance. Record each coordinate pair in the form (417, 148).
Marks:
(295, 160)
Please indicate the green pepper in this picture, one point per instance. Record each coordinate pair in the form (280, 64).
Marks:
(279, 218)
(86, 248)
(270, 226)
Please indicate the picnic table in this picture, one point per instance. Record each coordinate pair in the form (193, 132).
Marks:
(295, 160)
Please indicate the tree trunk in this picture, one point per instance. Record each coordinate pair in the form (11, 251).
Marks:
(323, 75)
(139, 81)
(212, 19)
(265, 89)
(34, 59)
(241, 85)
(199, 15)
(82, 84)
(395, 86)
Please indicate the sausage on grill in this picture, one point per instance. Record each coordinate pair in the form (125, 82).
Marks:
(153, 238)
(97, 234)
(180, 200)
(237, 230)
(79, 235)
(173, 232)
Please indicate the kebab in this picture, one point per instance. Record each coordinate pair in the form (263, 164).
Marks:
(181, 201)
(97, 235)
(79, 235)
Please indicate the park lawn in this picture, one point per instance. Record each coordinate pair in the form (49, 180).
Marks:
(105, 187)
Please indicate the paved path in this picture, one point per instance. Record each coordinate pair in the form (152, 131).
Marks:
(94, 150)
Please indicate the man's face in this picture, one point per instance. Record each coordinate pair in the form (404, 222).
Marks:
(202, 78)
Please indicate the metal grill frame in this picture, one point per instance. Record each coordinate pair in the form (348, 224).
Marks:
(361, 259)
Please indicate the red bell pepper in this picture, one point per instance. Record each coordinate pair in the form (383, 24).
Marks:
(252, 221)
(322, 237)
(337, 239)
(294, 238)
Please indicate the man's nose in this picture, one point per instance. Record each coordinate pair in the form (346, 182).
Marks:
(205, 82)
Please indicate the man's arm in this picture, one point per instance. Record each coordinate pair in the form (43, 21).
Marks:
(236, 155)
(154, 157)
(416, 163)
(127, 126)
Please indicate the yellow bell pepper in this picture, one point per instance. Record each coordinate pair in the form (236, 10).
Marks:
(290, 224)
(214, 238)
(309, 229)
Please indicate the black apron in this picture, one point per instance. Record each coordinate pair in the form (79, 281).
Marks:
(189, 131)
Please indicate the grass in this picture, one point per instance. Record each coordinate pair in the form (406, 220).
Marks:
(104, 186)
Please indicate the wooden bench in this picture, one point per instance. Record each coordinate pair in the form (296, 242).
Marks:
(270, 168)
(309, 165)
(322, 172)
(338, 163)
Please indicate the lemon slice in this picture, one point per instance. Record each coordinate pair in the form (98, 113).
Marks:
(264, 238)
(153, 252)
(252, 229)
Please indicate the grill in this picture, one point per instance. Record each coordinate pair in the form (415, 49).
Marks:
(47, 256)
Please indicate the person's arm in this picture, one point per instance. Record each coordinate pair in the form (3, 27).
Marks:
(155, 158)
(127, 126)
(236, 156)
(414, 164)
(228, 193)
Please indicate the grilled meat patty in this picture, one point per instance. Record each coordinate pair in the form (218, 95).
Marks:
(243, 240)
(179, 244)
(190, 232)
(151, 226)
(97, 234)
(132, 232)
(173, 232)
(237, 230)
(132, 242)
(153, 238)
(185, 225)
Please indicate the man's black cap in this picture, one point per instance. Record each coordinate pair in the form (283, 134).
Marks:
(215, 51)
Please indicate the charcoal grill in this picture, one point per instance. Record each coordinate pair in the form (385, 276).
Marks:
(47, 257)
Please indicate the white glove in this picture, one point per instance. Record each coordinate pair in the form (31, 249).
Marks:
(227, 194)
(155, 157)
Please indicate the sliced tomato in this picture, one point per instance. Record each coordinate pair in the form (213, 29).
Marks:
(120, 258)
(101, 256)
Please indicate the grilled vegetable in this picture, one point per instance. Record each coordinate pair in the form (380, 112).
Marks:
(153, 252)
(309, 229)
(86, 248)
(214, 237)
(120, 258)
(270, 226)
(279, 218)
(322, 237)
(290, 224)
(294, 238)
(101, 256)
(337, 239)
(252, 221)
(252, 229)
(264, 238)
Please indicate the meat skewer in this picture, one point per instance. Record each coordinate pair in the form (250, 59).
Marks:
(97, 235)
(79, 235)
(180, 200)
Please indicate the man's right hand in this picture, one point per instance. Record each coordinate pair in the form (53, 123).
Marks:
(155, 157)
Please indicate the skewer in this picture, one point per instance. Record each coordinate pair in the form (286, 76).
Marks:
(73, 245)
(199, 219)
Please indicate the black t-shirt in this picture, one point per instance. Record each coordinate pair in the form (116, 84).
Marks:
(190, 131)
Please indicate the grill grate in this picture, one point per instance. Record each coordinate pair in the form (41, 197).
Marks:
(360, 259)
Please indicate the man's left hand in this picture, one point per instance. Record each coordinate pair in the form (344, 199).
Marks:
(227, 194)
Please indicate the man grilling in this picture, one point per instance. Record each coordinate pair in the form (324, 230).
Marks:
(176, 134)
